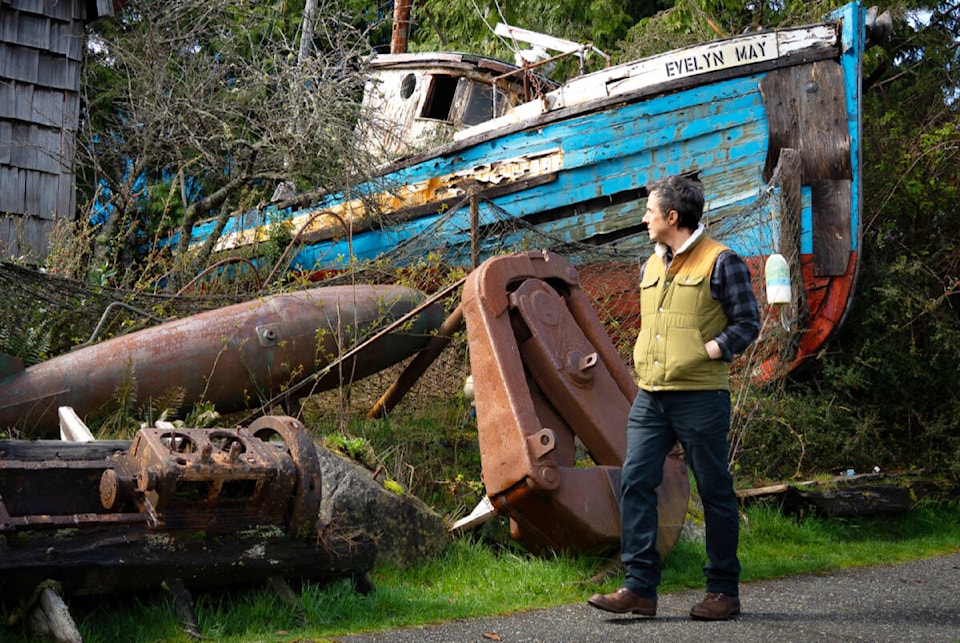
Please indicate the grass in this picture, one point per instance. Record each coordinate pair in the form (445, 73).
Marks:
(482, 578)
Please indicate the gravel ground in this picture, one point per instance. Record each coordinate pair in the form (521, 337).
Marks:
(917, 601)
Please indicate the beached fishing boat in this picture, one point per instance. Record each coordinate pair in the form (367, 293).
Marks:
(769, 122)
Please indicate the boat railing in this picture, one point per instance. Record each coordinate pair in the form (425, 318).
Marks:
(527, 68)
(542, 43)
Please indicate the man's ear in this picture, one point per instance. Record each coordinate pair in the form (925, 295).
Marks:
(673, 217)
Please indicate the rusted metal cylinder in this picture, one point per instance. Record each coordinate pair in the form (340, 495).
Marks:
(401, 27)
(233, 357)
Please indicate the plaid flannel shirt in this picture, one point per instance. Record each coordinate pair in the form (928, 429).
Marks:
(730, 285)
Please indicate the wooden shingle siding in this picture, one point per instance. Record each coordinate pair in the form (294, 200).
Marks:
(41, 49)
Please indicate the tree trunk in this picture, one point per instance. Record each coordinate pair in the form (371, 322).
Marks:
(306, 33)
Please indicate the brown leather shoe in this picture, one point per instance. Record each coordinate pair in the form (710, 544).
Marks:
(624, 600)
(716, 607)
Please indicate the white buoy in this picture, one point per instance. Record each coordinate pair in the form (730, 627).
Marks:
(777, 275)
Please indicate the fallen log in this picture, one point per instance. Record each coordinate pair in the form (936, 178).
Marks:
(864, 494)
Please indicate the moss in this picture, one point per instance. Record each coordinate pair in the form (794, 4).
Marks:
(394, 487)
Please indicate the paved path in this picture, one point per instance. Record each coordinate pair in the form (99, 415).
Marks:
(918, 601)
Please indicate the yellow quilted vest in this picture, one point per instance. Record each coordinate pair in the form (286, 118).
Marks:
(678, 316)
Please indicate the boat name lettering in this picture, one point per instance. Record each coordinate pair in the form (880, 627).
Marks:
(751, 52)
(694, 64)
(719, 57)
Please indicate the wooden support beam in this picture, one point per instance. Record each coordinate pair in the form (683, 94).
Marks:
(183, 603)
(72, 428)
(50, 617)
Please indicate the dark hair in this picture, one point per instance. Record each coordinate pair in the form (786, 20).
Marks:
(682, 194)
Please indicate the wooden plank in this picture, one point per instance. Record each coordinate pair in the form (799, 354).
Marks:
(47, 198)
(58, 72)
(48, 153)
(100, 560)
(6, 140)
(8, 26)
(32, 189)
(185, 608)
(859, 500)
(23, 104)
(756, 492)
(20, 133)
(104, 8)
(12, 236)
(42, 450)
(832, 237)
(9, 101)
(806, 111)
(783, 115)
(70, 39)
(46, 109)
(24, 236)
(66, 197)
(7, 223)
(50, 618)
(20, 63)
(825, 145)
(11, 188)
(71, 120)
(77, 42)
(61, 40)
(33, 31)
(790, 202)
(61, 10)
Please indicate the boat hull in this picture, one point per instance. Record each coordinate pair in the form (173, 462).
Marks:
(769, 123)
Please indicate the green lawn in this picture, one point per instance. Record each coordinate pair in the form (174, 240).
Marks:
(477, 578)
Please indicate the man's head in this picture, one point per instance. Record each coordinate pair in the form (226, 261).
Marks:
(675, 202)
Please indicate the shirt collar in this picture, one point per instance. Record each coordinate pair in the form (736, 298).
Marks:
(663, 251)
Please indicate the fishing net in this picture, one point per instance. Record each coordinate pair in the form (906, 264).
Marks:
(46, 315)
(608, 272)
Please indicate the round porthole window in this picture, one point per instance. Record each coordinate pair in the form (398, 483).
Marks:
(407, 86)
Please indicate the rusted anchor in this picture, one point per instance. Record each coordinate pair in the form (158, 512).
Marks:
(546, 374)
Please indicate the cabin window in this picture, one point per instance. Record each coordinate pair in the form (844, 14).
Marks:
(478, 105)
(407, 85)
(440, 97)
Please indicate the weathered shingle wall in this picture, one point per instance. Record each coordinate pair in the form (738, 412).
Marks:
(41, 45)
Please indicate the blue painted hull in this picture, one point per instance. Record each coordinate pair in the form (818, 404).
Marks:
(573, 179)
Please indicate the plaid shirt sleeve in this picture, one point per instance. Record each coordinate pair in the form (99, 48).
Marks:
(730, 285)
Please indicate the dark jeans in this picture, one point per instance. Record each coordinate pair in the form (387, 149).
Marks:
(700, 421)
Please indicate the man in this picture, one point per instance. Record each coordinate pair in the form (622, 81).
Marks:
(697, 311)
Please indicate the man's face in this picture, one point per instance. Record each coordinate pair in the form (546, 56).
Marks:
(658, 221)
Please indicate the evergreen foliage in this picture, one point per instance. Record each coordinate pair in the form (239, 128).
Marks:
(886, 392)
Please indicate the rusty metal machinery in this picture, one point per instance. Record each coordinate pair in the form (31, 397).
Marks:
(218, 480)
(208, 506)
(546, 375)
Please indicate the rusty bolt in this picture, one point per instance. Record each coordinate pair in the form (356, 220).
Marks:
(146, 481)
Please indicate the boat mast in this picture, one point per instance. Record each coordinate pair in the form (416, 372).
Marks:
(401, 26)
